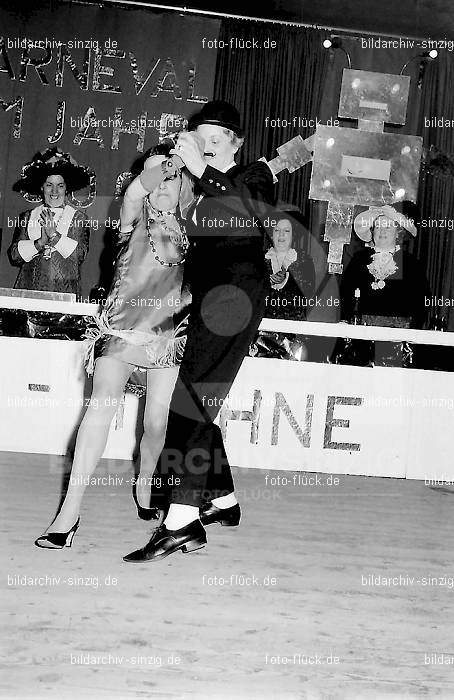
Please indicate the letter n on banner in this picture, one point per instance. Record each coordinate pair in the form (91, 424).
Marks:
(282, 405)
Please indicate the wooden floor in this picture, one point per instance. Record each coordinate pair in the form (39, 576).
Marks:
(199, 626)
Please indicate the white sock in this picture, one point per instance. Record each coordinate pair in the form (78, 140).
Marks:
(180, 515)
(225, 501)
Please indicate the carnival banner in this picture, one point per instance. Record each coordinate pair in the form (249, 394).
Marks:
(103, 84)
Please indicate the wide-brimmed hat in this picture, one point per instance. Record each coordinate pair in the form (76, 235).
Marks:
(364, 221)
(51, 162)
(219, 113)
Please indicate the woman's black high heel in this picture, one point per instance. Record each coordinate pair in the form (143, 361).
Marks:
(57, 540)
(144, 513)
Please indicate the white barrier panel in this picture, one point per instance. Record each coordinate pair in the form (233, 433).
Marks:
(280, 414)
(380, 421)
(431, 427)
(42, 399)
(318, 417)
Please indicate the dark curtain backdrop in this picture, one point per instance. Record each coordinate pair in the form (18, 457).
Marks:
(301, 78)
(165, 47)
(279, 83)
(435, 243)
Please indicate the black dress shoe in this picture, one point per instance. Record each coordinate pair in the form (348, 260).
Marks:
(226, 516)
(164, 542)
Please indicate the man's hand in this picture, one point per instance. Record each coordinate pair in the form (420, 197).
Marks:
(152, 162)
(190, 147)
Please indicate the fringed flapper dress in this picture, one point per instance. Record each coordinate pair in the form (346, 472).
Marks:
(144, 318)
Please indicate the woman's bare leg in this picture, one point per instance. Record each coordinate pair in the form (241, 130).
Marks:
(160, 385)
(109, 379)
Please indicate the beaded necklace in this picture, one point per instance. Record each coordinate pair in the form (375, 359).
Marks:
(177, 236)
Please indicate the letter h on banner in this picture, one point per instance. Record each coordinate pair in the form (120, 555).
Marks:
(227, 414)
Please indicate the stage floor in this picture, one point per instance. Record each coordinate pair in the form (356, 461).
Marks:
(284, 607)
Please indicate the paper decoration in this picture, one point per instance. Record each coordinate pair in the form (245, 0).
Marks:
(64, 56)
(99, 69)
(138, 127)
(364, 166)
(374, 96)
(18, 105)
(26, 60)
(59, 123)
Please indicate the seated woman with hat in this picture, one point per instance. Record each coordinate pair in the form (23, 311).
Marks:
(391, 283)
(51, 241)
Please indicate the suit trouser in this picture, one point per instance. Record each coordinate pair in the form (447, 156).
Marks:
(224, 320)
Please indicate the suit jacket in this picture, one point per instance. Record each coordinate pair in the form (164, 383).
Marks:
(228, 238)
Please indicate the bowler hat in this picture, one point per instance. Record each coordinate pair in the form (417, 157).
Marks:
(219, 113)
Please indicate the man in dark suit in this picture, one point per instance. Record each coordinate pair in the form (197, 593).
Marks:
(226, 271)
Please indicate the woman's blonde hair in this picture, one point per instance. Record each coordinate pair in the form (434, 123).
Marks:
(186, 192)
